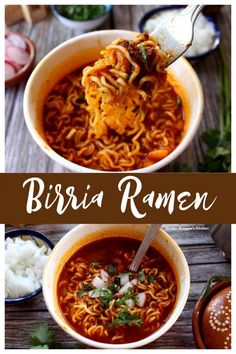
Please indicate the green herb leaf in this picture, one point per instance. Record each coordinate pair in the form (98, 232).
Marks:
(126, 318)
(143, 53)
(106, 299)
(124, 298)
(218, 141)
(141, 276)
(86, 288)
(151, 278)
(111, 269)
(113, 287)
(81, 12)
(41, 338)
(41, 335)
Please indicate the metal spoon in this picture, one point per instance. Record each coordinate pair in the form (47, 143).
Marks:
(152, 231)
(175, 35)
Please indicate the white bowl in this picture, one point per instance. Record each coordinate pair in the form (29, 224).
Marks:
(82, 26)
(81, 50)
(83, 234)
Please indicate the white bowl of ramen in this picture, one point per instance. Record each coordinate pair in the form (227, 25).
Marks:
(78, 52)
(87, 241)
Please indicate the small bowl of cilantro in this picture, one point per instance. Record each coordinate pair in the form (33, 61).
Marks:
(83, 18)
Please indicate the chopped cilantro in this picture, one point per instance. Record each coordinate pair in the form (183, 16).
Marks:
(143, 53)
(141, 276)
(42, 338)
(126, 318)
(151, 278)
(111, 269)
(106, 299)
(84, 289)
(113, 288)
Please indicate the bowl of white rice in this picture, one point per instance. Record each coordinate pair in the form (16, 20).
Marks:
(206, 32)
(26, 253)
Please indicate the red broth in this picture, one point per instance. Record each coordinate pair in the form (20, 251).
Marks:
(112, 317)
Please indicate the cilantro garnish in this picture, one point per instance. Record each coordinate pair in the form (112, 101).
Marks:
(151, 278)
(141, 276)
(126, 318)
(111, 269)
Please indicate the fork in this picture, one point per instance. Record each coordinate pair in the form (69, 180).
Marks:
(152, 231)
(175, 35)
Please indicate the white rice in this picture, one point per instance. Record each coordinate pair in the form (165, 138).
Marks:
(24, 263)
(203, 31)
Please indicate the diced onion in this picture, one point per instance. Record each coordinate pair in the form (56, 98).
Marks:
(141, 298)
(124, 278)
(104, 275)
(123, 290)
(129, 303)
(134, 281)
(98, 283)
(24, 263)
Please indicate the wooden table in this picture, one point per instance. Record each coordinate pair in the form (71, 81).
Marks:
(22, 153)
(204, 259)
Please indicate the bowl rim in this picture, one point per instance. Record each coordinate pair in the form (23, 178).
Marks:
(41, 142)
(27, 232)
(108, 9)
(28, 66)
(217, 34)
(153, 336)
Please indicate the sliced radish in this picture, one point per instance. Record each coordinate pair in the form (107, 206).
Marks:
(17, 55)
(7, 43)
(98, 283)
(17, 41)
(125, 288)
(104, 275)
(10, 71)
(141, 298)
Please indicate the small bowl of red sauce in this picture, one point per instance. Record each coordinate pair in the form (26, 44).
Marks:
(19, 58)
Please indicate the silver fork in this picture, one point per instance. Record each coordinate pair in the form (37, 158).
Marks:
(175, 36)
(152, 231)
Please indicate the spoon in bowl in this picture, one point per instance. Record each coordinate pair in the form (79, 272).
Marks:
(152, 231)
(175, 35)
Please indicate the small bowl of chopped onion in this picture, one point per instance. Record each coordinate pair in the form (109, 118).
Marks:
(26, 252)
(206, 32)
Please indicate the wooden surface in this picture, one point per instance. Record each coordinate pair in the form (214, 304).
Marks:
(22, 153)
(204, 259)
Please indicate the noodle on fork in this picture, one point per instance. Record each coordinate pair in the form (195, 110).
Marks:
(119, 114)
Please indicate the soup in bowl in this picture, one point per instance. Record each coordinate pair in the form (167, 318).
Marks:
(120, 113)
(92, 295)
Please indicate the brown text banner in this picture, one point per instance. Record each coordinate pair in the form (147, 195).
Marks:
(118, 198)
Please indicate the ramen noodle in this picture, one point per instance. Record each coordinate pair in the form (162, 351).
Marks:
(119, 114)
(103, 301)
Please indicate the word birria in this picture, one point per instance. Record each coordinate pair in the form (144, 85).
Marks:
(128, 198)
